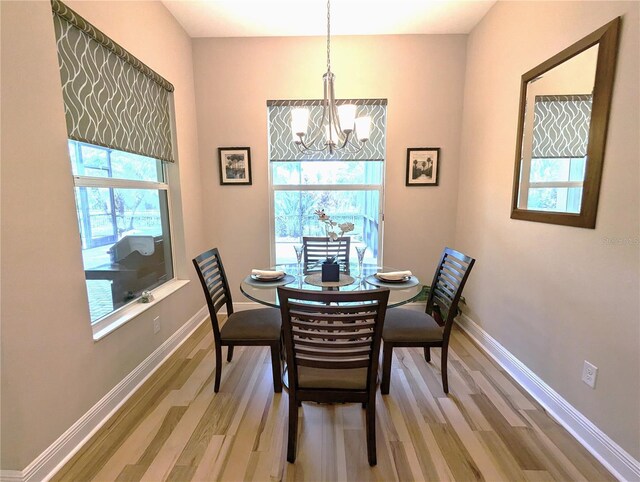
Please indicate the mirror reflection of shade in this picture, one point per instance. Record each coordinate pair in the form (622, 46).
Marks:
(556, 134)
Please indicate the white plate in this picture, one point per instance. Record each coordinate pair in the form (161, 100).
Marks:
(381, 277)
(267, 278)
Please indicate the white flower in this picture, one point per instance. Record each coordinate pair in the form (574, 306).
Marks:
(346, 227)
(330, 223)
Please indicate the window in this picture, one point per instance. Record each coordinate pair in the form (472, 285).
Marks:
(122, 207)
(556, 184)
(349, 191)
(556, 168)
(119, 127)
(349, 187)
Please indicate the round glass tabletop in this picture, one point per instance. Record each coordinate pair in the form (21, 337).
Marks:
(266, 293)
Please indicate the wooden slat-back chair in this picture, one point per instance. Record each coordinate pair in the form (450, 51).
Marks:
(318, 248)
(409, 328)
(261, 327)
(332, 343)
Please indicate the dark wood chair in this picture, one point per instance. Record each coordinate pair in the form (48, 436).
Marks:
(409, 328)
(332, 343)
(318, 248)
(261, 327)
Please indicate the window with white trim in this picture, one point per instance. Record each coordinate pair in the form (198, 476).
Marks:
(349, 186)
(119, 126)
(123, 216)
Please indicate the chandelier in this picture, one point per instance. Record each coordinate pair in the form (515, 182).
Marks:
(339, 127)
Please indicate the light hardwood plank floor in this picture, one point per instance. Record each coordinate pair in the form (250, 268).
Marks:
(176, 428)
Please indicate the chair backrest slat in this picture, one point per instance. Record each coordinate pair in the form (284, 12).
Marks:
(332, 330)
(318, 248)
(313, 334)
(448, 283)
(348, 324)
(335, 344)
(214, 283)
(450, 277)
(334, 352)
(446, 289)
(451, 263)
(332, 365)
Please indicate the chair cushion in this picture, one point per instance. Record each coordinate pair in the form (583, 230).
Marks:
(349, 378)
(261, 324)
(403, 325)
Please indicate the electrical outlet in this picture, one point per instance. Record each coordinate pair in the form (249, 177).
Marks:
(156, 324)
(589, 374)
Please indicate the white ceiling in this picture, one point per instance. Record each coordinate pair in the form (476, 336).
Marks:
(266, 18)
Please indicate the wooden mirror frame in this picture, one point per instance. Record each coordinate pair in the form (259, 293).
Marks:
(607, 39)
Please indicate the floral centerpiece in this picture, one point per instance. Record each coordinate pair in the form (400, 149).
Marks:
(330, 225)
(330, 268)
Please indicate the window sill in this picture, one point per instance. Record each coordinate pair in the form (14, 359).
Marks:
(122, 316)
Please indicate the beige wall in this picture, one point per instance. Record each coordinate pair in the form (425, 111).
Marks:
(422, 78)
(555, 296)
(52, 370)
(552, 295)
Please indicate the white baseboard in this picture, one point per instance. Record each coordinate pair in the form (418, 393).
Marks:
(58, 453)
(622, 465)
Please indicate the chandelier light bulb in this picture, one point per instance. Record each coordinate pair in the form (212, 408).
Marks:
(299, 121)
(363, 128)
(347, 115)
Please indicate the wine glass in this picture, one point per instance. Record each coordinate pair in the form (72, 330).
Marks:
(360, 250)
(299, 249)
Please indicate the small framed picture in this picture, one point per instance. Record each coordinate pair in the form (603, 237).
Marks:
(235, 165)
(422, 166)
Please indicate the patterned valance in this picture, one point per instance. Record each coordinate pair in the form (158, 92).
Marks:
(111, 98)
(561, 125)
(282, 147)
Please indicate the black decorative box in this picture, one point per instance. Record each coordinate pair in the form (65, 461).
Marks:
(330, 272)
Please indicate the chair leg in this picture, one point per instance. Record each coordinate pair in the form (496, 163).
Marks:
(276, 367)
(427, 354)
(230, 353)
(371, 433)
(443, 368)
(216, 384)
(293, 428)
(283, 352)
(387, 353)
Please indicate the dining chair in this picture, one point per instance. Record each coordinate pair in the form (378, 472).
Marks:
(332, 344)
(260, 327)
(409, 328)
(318, 248)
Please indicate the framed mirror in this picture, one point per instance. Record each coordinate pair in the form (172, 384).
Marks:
(562, 129)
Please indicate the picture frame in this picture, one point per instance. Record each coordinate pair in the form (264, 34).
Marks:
(423, 165)
(235, 165)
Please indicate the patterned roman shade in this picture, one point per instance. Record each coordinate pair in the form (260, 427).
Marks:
(282, 147)
(111, 99)
(561, 125)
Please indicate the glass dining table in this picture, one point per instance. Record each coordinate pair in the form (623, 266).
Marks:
(266, 292)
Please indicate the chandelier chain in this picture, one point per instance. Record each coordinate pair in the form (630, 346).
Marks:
(328, 36)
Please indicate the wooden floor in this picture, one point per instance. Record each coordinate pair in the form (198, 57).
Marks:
(175, 428)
